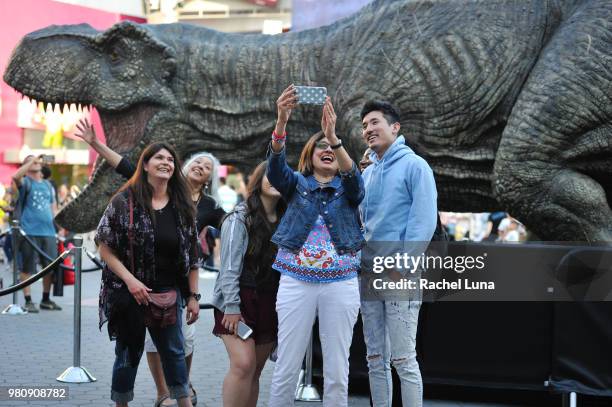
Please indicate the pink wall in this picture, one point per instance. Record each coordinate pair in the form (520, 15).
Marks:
(18, 18)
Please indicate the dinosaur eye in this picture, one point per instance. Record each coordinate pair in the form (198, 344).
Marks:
(114, 56)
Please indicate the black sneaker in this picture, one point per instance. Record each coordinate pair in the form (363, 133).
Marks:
(50, 305)
(30, 307)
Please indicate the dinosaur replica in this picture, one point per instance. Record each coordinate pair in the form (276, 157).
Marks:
(510, 101)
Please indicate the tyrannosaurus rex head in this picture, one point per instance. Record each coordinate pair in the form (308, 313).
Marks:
(124, 72)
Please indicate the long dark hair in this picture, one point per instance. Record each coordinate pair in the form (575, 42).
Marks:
(178, 190)
(259, 228)
(260, 251)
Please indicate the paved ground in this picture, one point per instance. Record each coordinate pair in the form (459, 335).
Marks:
(36, 348)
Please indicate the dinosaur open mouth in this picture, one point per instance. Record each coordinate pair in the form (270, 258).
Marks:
(124, 131)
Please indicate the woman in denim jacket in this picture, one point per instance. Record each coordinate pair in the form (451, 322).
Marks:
(319, 239)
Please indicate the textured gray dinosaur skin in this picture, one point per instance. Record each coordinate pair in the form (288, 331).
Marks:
(509, 101)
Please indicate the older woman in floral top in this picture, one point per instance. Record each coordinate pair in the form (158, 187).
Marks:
(156, 209)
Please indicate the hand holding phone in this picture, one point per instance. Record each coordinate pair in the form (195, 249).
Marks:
(230, 322)
(47, 158)
(311, 95)
(284, 104)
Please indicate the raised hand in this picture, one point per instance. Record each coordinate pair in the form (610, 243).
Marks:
(286, 101)
(328, 122)
(85, 131)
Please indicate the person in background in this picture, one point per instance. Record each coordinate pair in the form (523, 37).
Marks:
(514, 231)
(227, 196)
(365, 160)
(5, 210)
(38, 207)
(492, 233)
(63, 196)
(10, 202)
(74, 191)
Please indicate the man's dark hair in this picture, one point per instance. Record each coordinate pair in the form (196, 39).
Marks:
(391, 114)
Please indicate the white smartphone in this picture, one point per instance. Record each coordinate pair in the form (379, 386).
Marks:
(311, 95)
(244, 331)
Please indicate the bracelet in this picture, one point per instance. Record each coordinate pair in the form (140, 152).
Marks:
(337, 146)
(278, 138)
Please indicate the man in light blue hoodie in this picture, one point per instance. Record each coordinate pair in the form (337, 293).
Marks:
(399, 206)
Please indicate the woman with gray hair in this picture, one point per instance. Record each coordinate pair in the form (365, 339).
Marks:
(201, 172)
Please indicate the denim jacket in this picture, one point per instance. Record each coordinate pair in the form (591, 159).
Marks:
(337, 203)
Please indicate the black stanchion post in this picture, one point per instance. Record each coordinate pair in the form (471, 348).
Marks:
(77, 373)
(306, 391)
(14, 308)
(58, 282)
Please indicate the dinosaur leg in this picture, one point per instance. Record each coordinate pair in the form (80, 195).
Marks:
(553, 168)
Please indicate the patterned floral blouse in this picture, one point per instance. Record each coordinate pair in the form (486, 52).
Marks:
(317, 261)
(113, 232)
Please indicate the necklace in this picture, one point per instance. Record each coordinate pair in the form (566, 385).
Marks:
(323, 183)
(197, 201)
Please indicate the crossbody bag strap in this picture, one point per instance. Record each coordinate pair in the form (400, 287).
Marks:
(131, 230)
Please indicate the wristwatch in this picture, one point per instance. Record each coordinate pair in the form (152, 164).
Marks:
(337, 146)
(197, 296)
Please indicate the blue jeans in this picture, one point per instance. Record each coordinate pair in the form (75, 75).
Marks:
(389, 330)
(169, 342)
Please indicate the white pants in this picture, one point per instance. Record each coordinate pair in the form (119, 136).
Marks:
(297, 305)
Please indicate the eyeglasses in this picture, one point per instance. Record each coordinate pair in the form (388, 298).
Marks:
(322, 145)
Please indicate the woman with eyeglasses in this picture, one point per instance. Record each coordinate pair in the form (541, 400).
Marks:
(319, 240)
